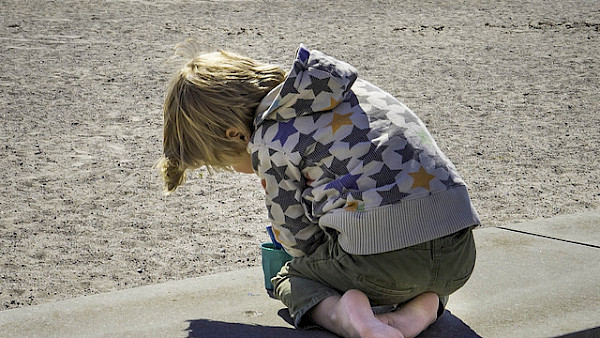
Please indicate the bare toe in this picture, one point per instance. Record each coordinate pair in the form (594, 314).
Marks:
(355, 317)
(415, 316)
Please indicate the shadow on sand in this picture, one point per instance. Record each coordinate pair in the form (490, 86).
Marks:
(447, 325)
(589, 333)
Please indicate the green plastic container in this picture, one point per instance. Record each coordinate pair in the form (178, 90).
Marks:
(272, 261)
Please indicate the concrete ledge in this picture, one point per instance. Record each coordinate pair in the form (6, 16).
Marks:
(524, 285)
(531, 286)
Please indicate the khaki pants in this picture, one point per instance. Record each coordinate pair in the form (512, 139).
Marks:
(441, 266)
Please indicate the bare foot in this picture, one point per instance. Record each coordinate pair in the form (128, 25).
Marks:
(415, 316)
(351, 316)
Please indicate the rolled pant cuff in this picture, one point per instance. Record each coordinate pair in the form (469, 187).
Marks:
(301, 321)
(442, 306)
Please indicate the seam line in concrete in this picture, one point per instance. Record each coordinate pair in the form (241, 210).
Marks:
(550, 237)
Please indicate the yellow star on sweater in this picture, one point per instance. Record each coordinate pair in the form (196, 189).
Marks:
(333, 104)
(421, 179)
(340, 120)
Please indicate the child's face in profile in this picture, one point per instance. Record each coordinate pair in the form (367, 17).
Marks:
(242, 163)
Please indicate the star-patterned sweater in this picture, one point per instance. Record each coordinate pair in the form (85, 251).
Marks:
(336, 152)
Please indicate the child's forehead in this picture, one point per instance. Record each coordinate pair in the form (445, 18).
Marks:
(211, 55)
(206, 57)
(213, 61)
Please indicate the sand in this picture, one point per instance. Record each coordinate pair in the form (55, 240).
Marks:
(510, 91)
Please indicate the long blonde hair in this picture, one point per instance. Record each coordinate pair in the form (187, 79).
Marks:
(211, 93)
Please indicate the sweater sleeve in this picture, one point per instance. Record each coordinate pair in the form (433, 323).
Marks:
(283, 183)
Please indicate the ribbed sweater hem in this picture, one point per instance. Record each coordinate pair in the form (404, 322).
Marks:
(400, 225)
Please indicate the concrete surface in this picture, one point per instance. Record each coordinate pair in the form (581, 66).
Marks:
(534, 279)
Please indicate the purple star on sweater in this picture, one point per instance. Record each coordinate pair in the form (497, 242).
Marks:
(286, 129)
(346, 181)
(349, 181)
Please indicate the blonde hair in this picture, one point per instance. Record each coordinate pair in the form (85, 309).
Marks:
(210, 94)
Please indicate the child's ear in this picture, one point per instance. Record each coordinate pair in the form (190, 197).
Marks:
(234, 133)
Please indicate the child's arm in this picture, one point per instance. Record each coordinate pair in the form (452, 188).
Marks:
(283, 185)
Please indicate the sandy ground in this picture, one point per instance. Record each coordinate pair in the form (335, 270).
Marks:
(510, 91)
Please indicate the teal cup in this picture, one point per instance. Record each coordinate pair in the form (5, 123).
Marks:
(272, 261)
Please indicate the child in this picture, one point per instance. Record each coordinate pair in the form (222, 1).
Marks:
(356, 189)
